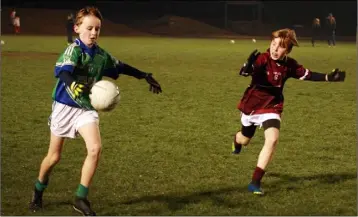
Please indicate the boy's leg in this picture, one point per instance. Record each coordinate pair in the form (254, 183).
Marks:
(91, 135)
(52, 158)
(272, 129)
(243, 137)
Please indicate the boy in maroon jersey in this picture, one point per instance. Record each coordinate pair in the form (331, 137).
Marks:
(262, 103)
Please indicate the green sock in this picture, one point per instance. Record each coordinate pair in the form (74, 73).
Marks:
(40, 186)
(82, 191)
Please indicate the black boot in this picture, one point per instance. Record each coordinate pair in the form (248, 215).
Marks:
(83, 206)
(36, 202)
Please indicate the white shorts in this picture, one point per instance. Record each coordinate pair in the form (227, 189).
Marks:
(258, 119)
(65, 120)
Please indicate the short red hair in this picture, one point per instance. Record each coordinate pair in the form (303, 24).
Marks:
(89, 10)
(288, 38)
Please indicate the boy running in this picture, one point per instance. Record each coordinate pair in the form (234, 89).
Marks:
(262, 102)
(82, 64)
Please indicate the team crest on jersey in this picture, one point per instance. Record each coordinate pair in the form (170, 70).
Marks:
(276, 75)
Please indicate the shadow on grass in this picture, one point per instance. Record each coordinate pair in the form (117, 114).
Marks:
(288, 182)
(329, 178)
(57, 204)
(176, 202)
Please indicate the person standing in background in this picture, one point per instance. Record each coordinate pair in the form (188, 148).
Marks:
(316, 26)
(331, 29)
(17, 24)
(12, 16)
(69, 28)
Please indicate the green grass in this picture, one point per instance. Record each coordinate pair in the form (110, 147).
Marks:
(169, 154)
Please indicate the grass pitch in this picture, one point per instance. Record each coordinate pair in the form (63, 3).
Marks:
(169, 154)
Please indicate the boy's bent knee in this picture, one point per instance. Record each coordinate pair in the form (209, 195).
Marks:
(248, 131)
(241, 139)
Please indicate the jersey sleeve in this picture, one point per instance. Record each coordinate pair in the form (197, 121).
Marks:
(110, 68)
(298, 71)
(68, 59)
(259, 63)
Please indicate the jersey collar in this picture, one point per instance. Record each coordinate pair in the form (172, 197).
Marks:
(90, 51)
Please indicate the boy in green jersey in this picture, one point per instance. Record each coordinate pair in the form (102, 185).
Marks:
(81, 65)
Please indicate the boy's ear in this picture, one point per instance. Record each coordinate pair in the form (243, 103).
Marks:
(75, 28)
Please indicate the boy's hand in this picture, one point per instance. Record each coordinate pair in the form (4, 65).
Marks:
(246, 70)
(154, 86)
(78, 89)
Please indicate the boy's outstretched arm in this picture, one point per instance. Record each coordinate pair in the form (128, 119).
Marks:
(334, 76)
(126, 69)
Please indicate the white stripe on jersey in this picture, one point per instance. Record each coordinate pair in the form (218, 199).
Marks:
(305, 75)
(67, 62)
(67, 56)
(69, 49)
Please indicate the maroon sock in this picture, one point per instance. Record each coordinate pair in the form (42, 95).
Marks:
(257, 176)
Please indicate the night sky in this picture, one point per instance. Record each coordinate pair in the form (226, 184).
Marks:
(213, 12)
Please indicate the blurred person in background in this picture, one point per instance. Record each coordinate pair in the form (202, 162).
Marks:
(17, 24)
(316, 26)
(12, 16)
(69, 28)
(331, 29)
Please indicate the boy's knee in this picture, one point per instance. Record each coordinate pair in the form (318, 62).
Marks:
(241, 139)
(54, 158)
(271, 140)
(271, 136)
(244, 136)
(94, 151)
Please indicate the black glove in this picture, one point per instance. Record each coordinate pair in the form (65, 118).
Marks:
(154, 86)
(336, 75)
(246, 70)
(78, 89)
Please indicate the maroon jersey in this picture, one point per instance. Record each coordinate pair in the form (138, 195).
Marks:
(264, 94)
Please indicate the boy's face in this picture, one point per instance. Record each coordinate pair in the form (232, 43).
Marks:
(276, 51)
(88, 30)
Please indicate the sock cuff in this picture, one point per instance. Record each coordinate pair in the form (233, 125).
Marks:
(40, 186)
(82, 191)
(260, 170)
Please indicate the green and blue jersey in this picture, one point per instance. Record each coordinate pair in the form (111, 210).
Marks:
(86, 65)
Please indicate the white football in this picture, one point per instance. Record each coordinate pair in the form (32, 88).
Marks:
(104, 95)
